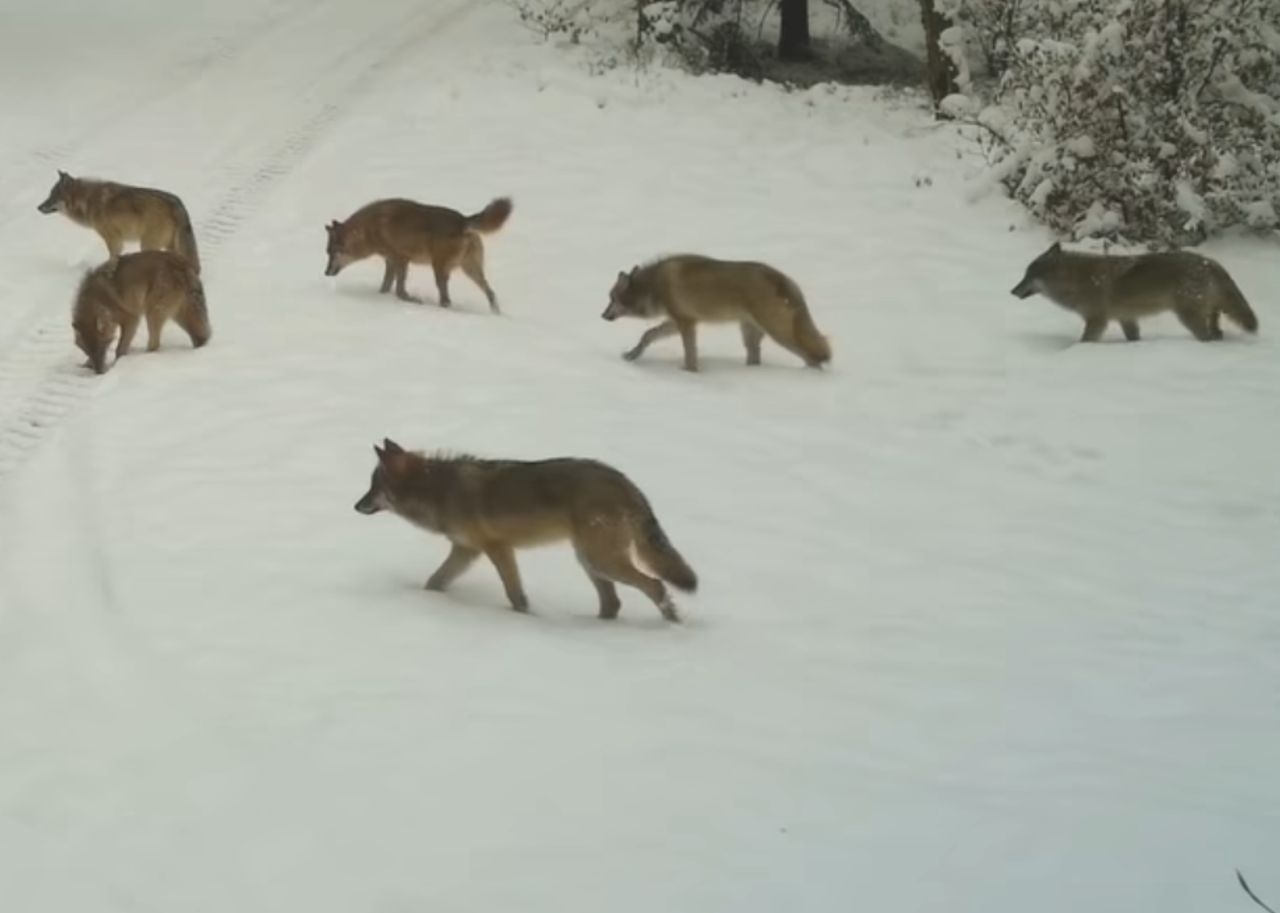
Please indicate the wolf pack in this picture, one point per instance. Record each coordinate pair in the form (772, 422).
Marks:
(493, 507)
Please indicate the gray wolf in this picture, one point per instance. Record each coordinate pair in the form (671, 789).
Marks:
(156, 219)
(493, 507)
(688, 289)
(154, 285)
(404, 231)
(1101, 288)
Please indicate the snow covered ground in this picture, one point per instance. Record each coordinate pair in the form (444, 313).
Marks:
(988, 621)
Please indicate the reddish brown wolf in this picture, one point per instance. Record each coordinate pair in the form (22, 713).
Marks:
(493, 507)
(403, 231)
(116, 296)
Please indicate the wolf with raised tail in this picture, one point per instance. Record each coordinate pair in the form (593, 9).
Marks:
(405, 231)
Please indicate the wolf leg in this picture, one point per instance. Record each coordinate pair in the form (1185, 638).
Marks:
(607, 556)
(155, 326)
(128, 329)
(1094, 327)
(402, 276)
(504, 560)
(1131, 331)
(751, 338)
(1197, 324)
(388, 276)
(689, 336)
(650, 336)
(442, 270)
(472, 264)
(460, 558)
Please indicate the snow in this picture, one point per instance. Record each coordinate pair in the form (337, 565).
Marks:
(987, 619)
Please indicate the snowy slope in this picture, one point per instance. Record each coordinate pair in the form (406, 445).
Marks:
(988, 621)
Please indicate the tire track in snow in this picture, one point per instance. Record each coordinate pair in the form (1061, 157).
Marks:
(40, 387)
(219, 51)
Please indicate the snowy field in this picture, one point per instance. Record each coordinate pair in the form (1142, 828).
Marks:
(988, 621)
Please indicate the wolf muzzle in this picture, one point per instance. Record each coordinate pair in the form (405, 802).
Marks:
(332, 269)
(610, 313)
(48, 206)
(1024, 289)
(367, 505)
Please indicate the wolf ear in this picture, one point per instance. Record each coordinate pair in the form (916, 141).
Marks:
(391, 446)
(63, 174)
(1057, 247)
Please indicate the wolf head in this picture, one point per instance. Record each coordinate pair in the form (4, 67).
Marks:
(339, 249)
(57, 198)
(1033, 280)
(628, 299)
(392, 462)
(94, 332)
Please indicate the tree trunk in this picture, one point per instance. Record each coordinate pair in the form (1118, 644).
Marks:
(940, 72)
(793, 41)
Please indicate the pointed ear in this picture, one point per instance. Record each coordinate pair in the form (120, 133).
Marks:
(391, 446)
(1057, 246)
(63, 174)
(380, 452)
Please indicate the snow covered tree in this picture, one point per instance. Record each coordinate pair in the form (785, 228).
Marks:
(793, 37)
(940, 70)
(1143, 120)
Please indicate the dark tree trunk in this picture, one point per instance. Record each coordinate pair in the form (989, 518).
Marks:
(793, 42)
(940, 72)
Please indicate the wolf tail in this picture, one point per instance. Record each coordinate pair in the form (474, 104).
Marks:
(1234, 304)
(790, 325)
(656, 550)
(492, 217)
(186, 236)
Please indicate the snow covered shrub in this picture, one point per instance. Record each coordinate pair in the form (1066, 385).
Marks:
(706, 35)
(568, 19)
(1144, 120)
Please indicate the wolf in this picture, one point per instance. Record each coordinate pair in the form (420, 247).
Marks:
(153, 284)
(688, 289)
(404, 231)
(1101, 288)
(493, 507)
(157, 219)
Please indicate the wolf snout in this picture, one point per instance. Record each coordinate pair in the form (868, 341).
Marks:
(609, 313)
(47, 207)
(1022, 290)
(366, 506)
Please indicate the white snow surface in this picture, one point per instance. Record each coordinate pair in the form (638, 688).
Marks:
(988, 620)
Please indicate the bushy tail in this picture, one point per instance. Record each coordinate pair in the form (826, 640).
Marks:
(659, 554)
(492, 217)
(816, 347)
(791, 326)
(1235, 306)
(186, 236)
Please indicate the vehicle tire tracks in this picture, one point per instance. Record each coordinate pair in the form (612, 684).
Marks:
(41, 384)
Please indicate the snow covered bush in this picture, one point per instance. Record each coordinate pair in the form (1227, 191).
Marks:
(1144, 120)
